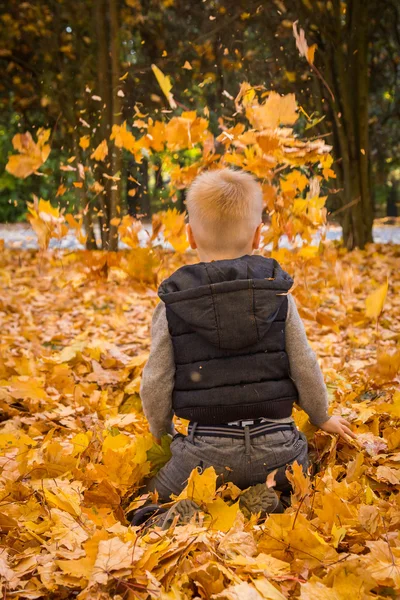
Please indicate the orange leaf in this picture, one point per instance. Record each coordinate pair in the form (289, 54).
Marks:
(101, 151)
(84, 141)
(32, 155)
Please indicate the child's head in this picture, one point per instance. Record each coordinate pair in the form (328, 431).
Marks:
(225, 211)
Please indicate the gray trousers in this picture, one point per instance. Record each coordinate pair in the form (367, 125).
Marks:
(244, 462)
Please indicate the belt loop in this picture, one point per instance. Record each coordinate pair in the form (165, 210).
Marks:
(247, 443)
(192, 432)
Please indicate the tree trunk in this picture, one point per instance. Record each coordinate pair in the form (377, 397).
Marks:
(108, 72)
(103, 70)
(391, 202)
(116, 158)
(86, 206)
(361, 212)
(131, 186)
(144, 196)
(158, 178)
(345, 53)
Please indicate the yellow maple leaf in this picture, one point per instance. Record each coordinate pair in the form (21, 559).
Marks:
(122, 137)
(276, 110)
(290, 76)
(116, 442)
(84, 141)
(295, 180)
(128, 231)
(304, 50)
(300, 483)
(27, 387)
(311, 53)
(174, 229)
(77, 225)
(156, 135)
(394, 408)
(101, 151)
(83, 567)
(141, 265)
(326, 163)
(32, 155)
(185, 131)
(376, 300)
(327, 321)
(268, 142)
(201, 487)
(47, 221)
(113, 555)
(61, 190)
(223, 515)
(81, 441)
(165, 84)
(294, 530)
(69, 502)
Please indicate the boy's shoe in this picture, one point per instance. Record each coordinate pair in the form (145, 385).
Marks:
(147, 514)
(260, 499)
(184, 510)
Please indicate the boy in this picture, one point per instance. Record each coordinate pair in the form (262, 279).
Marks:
(229, 352)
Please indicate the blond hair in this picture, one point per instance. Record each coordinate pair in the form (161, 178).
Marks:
(225, 209)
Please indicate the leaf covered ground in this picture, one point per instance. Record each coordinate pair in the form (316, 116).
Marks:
(75, 448)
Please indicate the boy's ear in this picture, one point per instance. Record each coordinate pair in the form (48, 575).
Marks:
(257, 237)
(190, 236)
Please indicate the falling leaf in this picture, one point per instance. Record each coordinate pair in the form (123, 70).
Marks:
(47, 221)
(84, 141)
(301, 43)
(276, 110)
(31, 155)
(61, 190)
(174, 229)
(124, 138)
(101, 151)
(375, 301)
(165, 84)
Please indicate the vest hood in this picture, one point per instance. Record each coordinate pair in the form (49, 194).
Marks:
(231, 303)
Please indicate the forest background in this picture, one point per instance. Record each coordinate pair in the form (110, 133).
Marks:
(79, 72)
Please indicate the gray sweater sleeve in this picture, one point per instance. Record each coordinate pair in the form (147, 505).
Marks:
(159, 376)
(304, 368)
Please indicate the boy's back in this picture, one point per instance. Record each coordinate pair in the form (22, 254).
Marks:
(227, 324)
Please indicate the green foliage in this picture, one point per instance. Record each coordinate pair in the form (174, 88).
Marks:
(159, 454)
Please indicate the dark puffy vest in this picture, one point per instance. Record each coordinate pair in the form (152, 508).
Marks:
(227, 323)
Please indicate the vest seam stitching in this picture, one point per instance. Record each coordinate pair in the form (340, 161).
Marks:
(213, 303)
(219, 406)
(254, 314)
(231, 385)
(194, 332)
(203, 360)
